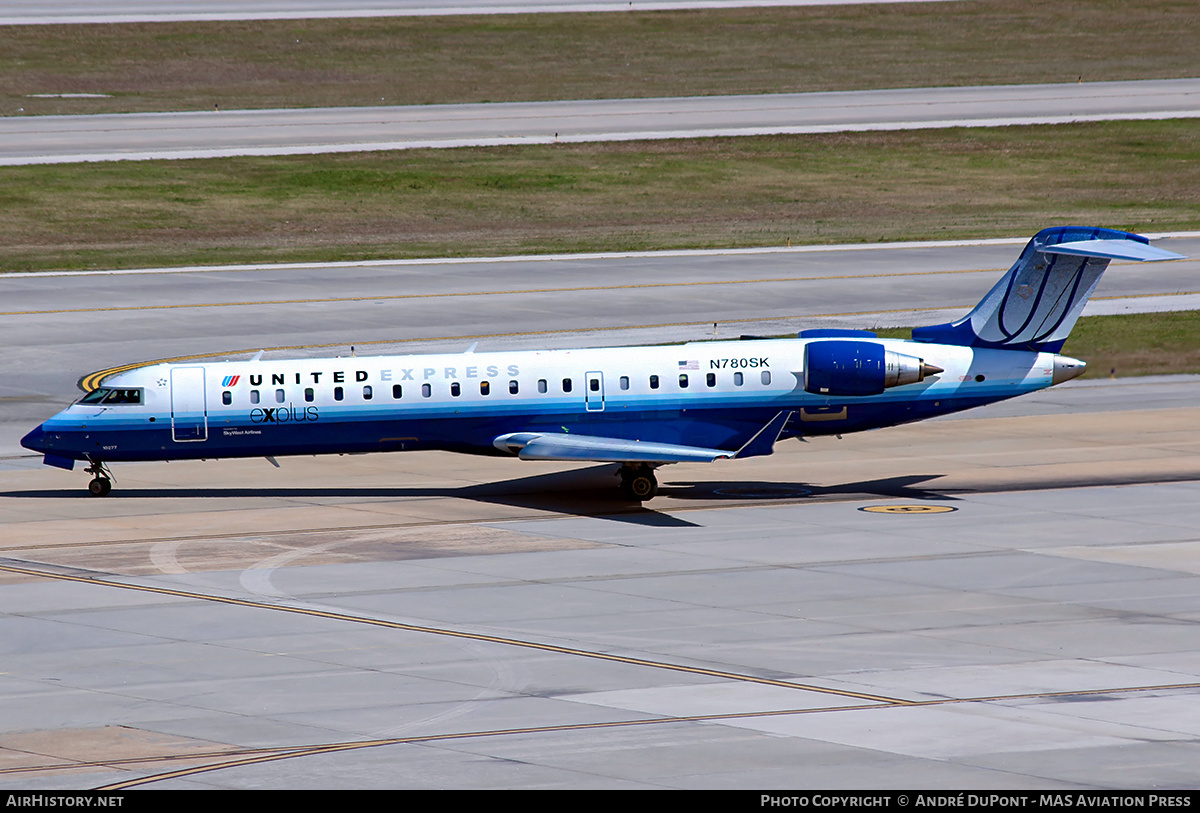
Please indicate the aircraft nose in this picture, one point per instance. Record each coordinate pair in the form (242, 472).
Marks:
(35, 440)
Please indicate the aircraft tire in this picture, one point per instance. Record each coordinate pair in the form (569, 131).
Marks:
(640, 486)
(100, 487)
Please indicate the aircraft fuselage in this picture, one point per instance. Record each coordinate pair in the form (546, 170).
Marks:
(702, 394)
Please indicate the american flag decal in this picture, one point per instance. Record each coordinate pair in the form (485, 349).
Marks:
(689, 365)
(229, 380)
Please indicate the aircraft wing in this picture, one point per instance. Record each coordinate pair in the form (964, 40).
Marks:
(558, 446)
(565, 446)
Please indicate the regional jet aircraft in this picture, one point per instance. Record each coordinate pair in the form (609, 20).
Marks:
(639, 407)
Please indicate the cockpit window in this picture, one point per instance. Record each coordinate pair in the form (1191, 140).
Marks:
(113, 397)
(133, 396)
(94, 397)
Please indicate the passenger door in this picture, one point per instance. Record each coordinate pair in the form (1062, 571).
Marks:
(189, 409)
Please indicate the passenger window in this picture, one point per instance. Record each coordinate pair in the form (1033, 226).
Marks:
(513, 387)
(337, 393)
(279, 396)
(254, 396)
(455, 389)
(227, 398)
(426, 390)
(397, 391)
(653, 382)
(368, 393)
(683, 381)
(566, 385)
(737, 379)
(542, 385)
(485, 387)
(624, 382)
(309, 395)
(766, 376)
(711, 379)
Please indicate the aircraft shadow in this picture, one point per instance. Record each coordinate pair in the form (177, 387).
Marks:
(592, 492)
(588, 492)
(904, 487)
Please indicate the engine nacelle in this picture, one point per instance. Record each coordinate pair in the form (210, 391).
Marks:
(859, 368)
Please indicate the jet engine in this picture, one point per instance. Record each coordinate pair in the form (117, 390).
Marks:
(859, 368)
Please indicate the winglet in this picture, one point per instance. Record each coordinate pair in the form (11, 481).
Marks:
(763, 442)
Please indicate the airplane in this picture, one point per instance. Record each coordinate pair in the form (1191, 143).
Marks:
(639, 407)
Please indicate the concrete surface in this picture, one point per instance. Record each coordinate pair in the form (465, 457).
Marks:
(462, 623)
(209, 134)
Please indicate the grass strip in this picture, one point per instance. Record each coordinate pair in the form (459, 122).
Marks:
(428, 60)
(702, 193)
(1137, 344)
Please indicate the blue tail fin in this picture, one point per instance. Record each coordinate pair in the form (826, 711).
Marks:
(1035, 305)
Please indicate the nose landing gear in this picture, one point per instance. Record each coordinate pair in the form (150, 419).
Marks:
(102, 478)
(638, 483)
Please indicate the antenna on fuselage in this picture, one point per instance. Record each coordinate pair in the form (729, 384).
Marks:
(258, 356)
(471, 349)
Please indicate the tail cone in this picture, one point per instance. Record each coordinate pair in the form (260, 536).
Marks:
(1066, 368)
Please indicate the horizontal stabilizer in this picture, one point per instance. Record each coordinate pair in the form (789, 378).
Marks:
(1114, 250)
(1035, 305)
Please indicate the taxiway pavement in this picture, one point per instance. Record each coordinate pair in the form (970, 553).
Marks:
(140, 136)
(41, 12)
(1024, 618)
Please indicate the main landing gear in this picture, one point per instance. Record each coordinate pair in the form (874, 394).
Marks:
(102, 479)
(638, 482)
